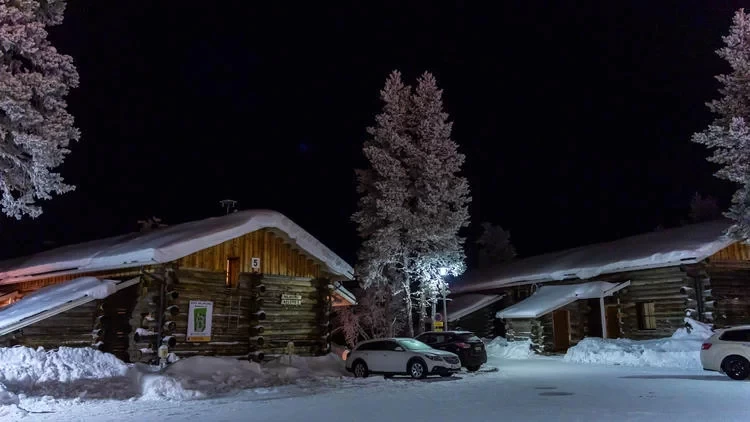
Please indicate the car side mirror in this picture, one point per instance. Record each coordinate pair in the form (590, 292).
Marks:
(399, 349)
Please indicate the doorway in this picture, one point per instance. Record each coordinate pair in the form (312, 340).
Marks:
(561, 329)
(594, 319)
(613, 322)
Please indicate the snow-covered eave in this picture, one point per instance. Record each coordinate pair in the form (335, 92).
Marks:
(487, 301)
(47, 313)
(345, 294)
(572, 274)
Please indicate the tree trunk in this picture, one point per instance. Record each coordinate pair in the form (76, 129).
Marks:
(408, 302)
(422, 311)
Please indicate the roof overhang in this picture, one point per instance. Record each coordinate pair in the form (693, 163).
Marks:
(552, 297)
(470, 303)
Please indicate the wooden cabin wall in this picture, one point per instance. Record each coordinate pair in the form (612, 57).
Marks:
(71, 328)
(276, 257)
(307, 325)
(480, 322)
(660, 286)
(730, 289)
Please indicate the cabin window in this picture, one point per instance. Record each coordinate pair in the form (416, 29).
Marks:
(646, 316)
(233, 271)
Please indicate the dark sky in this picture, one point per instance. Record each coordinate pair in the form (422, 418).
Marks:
(575, 118)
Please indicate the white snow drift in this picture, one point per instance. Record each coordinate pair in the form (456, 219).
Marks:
(87, 373)
(682, 350)
(500, 348)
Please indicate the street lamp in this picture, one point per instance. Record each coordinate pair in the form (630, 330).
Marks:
(443, 271)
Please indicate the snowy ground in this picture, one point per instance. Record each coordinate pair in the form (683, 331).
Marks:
(540, 389)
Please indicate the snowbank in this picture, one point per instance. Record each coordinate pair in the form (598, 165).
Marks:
(23, 367)
(84, 373)
(500, 348)
(682, 350)
(202, 376)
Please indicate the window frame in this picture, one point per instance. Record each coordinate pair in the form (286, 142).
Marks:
(233, 260)
(646, 317)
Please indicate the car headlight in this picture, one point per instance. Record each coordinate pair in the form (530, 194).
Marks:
(433, 357)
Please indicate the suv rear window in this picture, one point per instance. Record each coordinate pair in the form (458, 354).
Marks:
(467, 337)
(735, 335)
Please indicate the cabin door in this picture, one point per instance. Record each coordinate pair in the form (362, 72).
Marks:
(561, 329)
(613, 322)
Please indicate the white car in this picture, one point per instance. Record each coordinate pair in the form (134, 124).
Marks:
(394, 356)
(728, 351)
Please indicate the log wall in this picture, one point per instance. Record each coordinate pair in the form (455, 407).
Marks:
(71, 328)
(730, 287)
(307, 324)
(660, 286)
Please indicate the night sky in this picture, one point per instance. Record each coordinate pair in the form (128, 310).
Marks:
(575, 119)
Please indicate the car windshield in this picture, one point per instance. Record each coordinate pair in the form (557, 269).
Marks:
(412, 344)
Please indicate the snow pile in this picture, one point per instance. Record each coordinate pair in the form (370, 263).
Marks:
(500, 348)
(203, 376)
(23, 368)
(682, 350)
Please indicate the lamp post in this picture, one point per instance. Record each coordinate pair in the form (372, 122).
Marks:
(443, 271)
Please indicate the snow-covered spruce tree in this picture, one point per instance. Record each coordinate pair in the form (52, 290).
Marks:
(494, 245)
(439, 198)
(728, 134)
(413, 202)
(35, 128)
(383, 188)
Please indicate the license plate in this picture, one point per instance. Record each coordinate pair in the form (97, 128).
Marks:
(478, 348)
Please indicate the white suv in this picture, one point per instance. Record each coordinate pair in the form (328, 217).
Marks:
(728, 351)
(407, 356)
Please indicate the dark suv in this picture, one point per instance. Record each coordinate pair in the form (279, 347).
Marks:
(468, 347)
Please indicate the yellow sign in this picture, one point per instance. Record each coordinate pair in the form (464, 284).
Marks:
(438, 324)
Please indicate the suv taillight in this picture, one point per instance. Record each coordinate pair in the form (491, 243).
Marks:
(463, 345)
(706, 346)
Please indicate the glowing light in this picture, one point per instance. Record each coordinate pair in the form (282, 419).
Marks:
(443, 271)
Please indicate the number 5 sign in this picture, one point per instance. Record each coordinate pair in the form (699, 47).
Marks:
(255, 263)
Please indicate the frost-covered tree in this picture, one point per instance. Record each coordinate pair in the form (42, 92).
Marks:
(494, 245)
(728, 135)
(35, 128)
(378, 313)
(703, 208)
(413, 201)
(537, 337)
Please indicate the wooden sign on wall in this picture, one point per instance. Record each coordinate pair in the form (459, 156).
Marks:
(291, 299)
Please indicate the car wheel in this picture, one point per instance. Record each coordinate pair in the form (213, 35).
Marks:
(360, 369)
(417, 369)
(472, 368)
(737, 367)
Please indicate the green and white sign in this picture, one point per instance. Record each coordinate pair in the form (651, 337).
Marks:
(199, 320)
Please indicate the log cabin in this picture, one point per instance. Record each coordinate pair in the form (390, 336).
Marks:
(251, 283)
(639, 287)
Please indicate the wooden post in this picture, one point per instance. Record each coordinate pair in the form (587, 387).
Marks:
(603, 316)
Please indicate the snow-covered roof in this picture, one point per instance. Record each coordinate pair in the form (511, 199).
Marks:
(548, 298)
(165, 245)
(463, 305)
(687, 244)
(58, 297)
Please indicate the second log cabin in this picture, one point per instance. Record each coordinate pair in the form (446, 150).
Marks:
(639, 287)
(251, 283)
